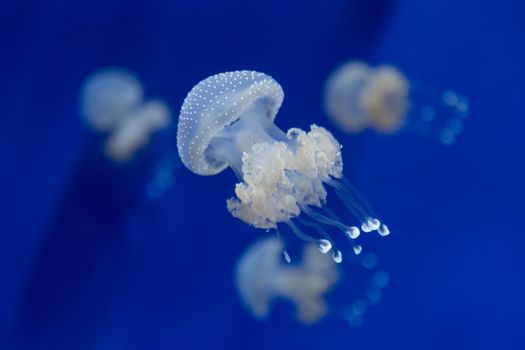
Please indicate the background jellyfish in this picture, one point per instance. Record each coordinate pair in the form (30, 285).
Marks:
(112, 102)
(262, 277)
(359, 96)
(227, 121)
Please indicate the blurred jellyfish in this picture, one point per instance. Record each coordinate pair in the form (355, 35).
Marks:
(359, 96)
(262, 277)
(227, 121)
(112, 101)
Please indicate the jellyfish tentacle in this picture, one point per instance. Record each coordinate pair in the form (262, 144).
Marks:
(351, 232)
(331, 213)
(297, 231)
(369, 223)
(350, 200)
(355, 247)
(337, 256)
(383, 230)
(319, 230)
(440, 114)
(359, 196)
(373, 223)
(324, 245)
(284, 252)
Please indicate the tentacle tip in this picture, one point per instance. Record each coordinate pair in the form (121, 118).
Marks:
(337, 256)
(373, 223)
(365, 227)
(324, 246)
(383, 230)
(353, 232)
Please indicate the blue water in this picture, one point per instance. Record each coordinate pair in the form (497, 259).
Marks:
(89, 261)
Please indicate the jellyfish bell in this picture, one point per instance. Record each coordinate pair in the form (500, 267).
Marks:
(262, 277)
(343, 86)
(108, 96)
(359, 96)
(227, 120)
(112, 101)
(210, 111)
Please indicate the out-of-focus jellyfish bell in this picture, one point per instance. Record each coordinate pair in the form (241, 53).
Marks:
(359, 96)
(262, 277)
(112, 102)
(227, 121)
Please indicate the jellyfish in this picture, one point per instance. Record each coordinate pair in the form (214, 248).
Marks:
(359, 96)
(262, 277)
(112, 102)
(316, 285)
(227, 120)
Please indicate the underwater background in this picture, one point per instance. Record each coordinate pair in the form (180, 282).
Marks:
(91, 259)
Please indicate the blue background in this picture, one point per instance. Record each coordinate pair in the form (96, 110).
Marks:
(89, 261)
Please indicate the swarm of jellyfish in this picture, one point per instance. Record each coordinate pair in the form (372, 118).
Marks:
(227, 120)
(263, 277)
(359, 96)
(112, 102)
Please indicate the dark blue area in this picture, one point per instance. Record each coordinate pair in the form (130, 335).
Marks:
(88, 261)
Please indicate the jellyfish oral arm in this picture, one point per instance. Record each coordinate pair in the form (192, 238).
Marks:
(281, 174)
(136, 131)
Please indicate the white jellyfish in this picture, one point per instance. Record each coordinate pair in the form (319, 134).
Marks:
(359, 96)
(112, 101)
(227, 121)
(262, 277)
